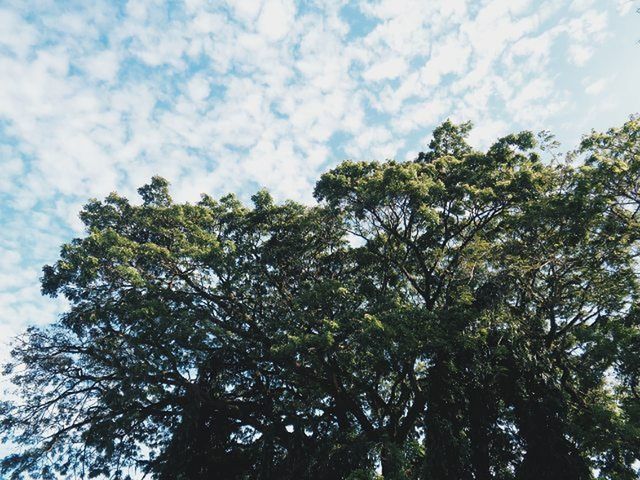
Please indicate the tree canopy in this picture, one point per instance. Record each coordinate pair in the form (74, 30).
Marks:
(467, 315)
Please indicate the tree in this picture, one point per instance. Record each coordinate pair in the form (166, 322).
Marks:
(467, 315)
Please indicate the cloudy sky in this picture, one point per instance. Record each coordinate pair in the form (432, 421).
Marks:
(229, 97)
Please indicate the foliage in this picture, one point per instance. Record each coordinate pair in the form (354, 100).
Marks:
(467, 315)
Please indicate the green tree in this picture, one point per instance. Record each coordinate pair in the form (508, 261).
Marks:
(467, 315)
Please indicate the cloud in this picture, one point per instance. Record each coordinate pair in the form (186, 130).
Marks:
(103, 65)
(16, 35)
(276, 19)
(595, 87)
(386, 69)
(624, 6)
(584, 32)
(198, 88)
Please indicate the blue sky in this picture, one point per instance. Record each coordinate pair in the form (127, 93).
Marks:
(232, 96)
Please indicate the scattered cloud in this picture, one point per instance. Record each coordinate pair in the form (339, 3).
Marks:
(625, 6)
(596, 87)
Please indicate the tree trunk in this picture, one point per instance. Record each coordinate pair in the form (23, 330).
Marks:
(540, 410)
(446, 446)
(480, 420)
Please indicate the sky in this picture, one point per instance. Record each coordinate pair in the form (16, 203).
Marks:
(222, 97)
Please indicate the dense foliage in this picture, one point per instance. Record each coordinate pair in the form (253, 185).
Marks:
(466, 315)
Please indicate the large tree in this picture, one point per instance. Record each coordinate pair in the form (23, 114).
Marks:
(467, 315)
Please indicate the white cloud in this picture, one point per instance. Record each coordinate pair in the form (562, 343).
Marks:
(625, 6)
(247, 11)
(580, 5)
(198, 88)
(585, 31)
(276, 18)
(595, 87)
(449, 55)
(386, 69)
(15, 33)
(486, 132)
(580, 53)
(103, 65)
(418, 115)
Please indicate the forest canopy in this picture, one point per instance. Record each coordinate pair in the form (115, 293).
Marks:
(466, 315)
